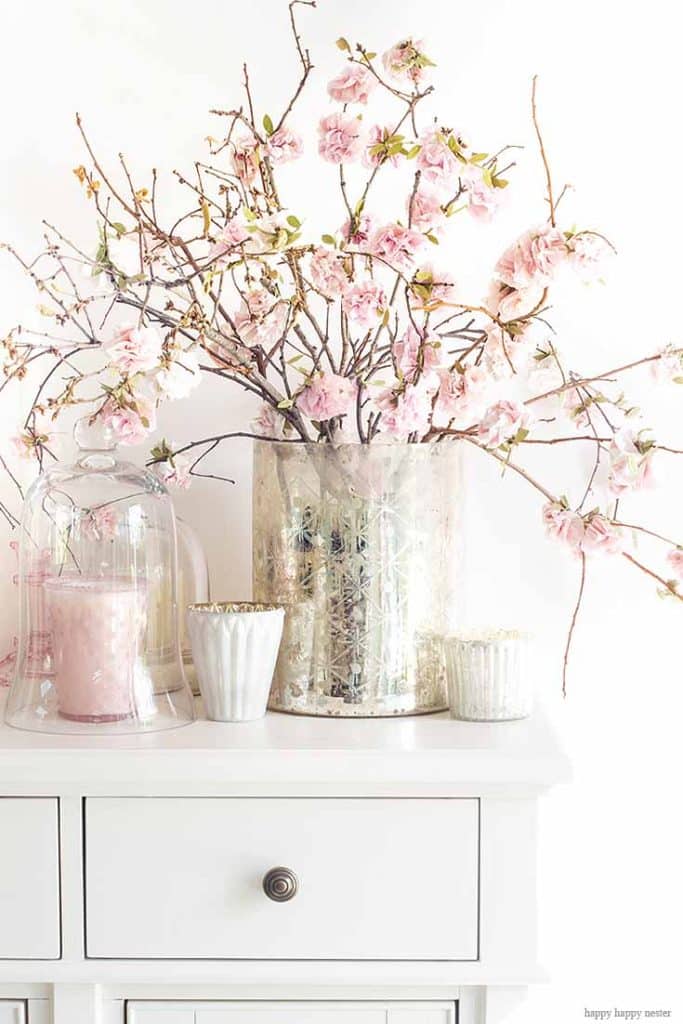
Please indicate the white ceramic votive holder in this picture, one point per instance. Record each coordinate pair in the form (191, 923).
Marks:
(489, 675)
(234, 648)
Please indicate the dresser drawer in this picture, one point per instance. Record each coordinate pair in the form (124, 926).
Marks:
(290, 1013)
(29, 879)
(377, 879)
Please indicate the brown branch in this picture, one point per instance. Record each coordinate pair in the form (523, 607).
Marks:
(544, 158)
(668, 585)
(572, 625)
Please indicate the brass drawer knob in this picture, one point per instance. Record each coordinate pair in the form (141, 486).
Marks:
(280, 884)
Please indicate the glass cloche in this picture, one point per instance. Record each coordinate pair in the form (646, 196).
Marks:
(98, 630)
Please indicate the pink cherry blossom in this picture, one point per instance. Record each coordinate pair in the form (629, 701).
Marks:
(326, 396)
(425, 212)
(230, 238)
(506, 354)
(462, 396)
(406, 60)
(601, 536)
(245, 158)
(353, 84)
(417, 357)
(674, 560)
(133, 349)
(130, 424)
(405, 410)
(564, 525)
(340, 138)
(101, 523)
(284, 145)
(396, 245)
(533, 260)
(436, 161)
(501, 422)
(269, 422)
(175, 472)
(327, 272)
(364, 227)
(179, 377)
(588, 255)
(630, 463)
(261, 318)
(513, 303)
(482, 199)
(364, 302)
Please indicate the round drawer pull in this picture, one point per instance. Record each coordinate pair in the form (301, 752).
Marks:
(280, 884)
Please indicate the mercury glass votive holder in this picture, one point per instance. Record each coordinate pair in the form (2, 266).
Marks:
(234, 649)
(488, 674)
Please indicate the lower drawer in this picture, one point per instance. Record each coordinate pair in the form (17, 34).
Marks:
(29, 880)
(376, 879)
(290, 1013)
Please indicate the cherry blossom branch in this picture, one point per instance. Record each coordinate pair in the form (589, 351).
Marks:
(572, 624)
(544, 158)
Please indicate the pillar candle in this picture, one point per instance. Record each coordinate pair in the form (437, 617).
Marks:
(97, 627)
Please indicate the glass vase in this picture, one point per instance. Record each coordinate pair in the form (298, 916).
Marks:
(360, 545)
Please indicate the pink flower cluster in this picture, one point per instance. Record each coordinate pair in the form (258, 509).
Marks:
(130, 423)
(327, 395)
(501, 423)
(352, 85)
(436, 161)
(462, 397)
(261, 318)
(175, 472)
(630, 463)
(284, 145)
(133, 349)
(591, 534)
(340, 138)
(364, 302)
(525, 269)
(406, 61)
(327, 272)
(396, 245)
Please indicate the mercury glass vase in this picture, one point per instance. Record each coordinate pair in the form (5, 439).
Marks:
(359, 543)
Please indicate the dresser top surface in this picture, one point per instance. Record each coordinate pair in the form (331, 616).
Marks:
(291, 748)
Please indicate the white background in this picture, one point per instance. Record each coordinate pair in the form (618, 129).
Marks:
(144, 75)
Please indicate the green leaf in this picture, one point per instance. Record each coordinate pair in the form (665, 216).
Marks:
(359, 207)
(342, 44)
(268, 124)
(293, 221)
(286, 403)
(329, 240)
(412, 152)
(370, 55)
(432, 238)
(119, 228)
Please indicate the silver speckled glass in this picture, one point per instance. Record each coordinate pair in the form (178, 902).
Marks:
(359, 543)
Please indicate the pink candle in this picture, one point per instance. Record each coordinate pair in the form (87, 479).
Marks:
(97, 627)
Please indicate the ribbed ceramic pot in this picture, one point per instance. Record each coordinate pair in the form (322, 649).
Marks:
(489, 676)
(234, 648)
(360, 543)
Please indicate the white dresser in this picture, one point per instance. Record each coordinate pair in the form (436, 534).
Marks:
(287, 871)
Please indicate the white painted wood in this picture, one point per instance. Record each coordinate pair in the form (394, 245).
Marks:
(82, 1003)
(73, 926)
(40, 1012)
(508, 881)
(290, 1013)
(499, 1003)
(288, 755)
(12, 1012)
(29, 878)
(379, 879)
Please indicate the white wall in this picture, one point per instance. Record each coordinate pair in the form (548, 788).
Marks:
(144, 75)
